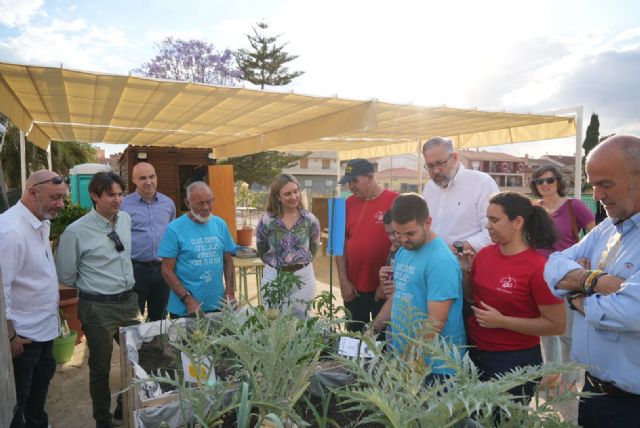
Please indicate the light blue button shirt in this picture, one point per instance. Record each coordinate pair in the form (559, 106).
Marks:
(607, 338)
(87, 259)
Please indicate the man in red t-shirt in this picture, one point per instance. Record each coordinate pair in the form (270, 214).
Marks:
(366, 243)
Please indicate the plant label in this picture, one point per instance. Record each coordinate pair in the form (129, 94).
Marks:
(198, 373)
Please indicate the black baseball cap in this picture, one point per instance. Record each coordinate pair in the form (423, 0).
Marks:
(356, 167)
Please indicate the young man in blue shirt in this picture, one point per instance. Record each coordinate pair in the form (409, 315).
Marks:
(428, 283)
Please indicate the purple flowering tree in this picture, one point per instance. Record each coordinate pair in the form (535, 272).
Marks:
(192, 61)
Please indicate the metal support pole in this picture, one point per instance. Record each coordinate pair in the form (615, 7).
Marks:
(49, 158)
(23, 162)
(578, 167)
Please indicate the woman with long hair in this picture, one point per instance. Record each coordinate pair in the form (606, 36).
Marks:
(512, 305)
(287, 239)
(569, 216)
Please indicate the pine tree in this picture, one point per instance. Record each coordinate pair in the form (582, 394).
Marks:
(263, 64)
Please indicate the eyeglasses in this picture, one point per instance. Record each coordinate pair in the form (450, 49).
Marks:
(58, 179)
(116, 240)
(439, 164)
(541, 181)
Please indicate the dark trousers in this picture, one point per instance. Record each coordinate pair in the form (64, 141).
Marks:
(492, 364)
(604, 411)
(100, 323)
(363, 308)
(152, 290)
(33, 371)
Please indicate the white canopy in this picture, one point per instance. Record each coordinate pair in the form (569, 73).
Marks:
(56, 104)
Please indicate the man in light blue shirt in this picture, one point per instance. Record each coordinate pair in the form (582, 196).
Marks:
(600, 276)
(150, 213)
(197, 251)
(94, 255)
(428, 283)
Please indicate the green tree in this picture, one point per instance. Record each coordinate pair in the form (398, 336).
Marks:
(64, 155)
(593, 134)
(263, 64)
(261, 167)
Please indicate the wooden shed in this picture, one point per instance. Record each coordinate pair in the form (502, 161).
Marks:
(175, 168)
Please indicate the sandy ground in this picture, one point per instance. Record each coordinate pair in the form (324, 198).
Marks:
(69, 403)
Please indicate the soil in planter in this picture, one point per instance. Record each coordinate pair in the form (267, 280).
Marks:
(336, 413)
(159, 354)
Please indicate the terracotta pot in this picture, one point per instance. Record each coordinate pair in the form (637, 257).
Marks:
(245, 236)
(69, 305)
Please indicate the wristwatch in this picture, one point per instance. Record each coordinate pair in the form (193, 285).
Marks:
(184, 297)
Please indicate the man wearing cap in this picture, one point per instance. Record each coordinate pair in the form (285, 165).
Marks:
(94, 255)
(150, 213)
(366, 243)
(30, 287)
(457, 197)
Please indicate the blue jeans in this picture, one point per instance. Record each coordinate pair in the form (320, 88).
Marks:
(492, 364)
(33, 371)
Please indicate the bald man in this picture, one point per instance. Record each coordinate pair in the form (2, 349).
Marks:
(30, 287)
(600, 277)
(150, 212)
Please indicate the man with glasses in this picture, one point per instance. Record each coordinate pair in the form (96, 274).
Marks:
(94, 255)
(457, 197)
(150, 212)
(30, 287)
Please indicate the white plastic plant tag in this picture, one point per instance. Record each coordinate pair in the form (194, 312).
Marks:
(195, 374)
(348, 347)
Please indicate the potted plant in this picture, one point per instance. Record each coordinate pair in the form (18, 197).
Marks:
(64, 344)
(244, 199)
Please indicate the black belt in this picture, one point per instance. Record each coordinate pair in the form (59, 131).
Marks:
(148, 263)
(106, 298)
(294, 268)
(609, 388)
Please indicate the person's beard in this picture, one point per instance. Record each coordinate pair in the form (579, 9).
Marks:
(199, 218)
(446, 179)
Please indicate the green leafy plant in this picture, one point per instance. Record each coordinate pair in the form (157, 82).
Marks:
(277, 292)
(70, 213)
(272, 357)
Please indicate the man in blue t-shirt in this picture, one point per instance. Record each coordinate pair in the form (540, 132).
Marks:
(196, 252)
(427, 280)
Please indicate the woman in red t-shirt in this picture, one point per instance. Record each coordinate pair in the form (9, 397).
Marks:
(512, 304)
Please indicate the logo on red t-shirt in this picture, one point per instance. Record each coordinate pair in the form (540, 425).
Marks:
(378, 217)
(507, 283)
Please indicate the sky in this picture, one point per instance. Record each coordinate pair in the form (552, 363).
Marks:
(512, 55)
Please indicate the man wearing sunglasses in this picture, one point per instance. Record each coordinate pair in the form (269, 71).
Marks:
(150, 212)
(94, 255)
(30, 286)
(457, 197)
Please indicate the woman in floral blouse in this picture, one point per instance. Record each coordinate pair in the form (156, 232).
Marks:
(287, 238)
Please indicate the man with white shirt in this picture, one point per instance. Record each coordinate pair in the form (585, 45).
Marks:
(457, 197)
(30, 286)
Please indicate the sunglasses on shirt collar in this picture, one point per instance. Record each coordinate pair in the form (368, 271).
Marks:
(116, 240)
